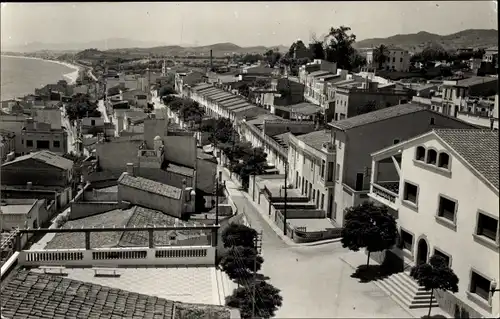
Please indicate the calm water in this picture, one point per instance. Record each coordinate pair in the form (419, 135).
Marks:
(21, 76)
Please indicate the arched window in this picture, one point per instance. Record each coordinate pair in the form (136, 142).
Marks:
(431, 157)
(444, 160)
(420, 153)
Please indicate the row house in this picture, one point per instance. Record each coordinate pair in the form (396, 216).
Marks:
(454, 91)
(350, 98)
(442, 186)
(272, 134)
(220, 103)
(311, 167)
(357, 137)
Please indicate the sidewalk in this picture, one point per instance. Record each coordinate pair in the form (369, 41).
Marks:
(233, 187)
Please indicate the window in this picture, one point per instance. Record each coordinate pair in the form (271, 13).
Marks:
(393, 59)
(411, 193)
(322, 201)
(401, 60)
(302, 184)
(447, 208)
(445, 256)
(29, 143)
(337, 172)
(406, 240)
(420, 153)
(431, 157)
(480, 285)
(487, 226)
(323, 164)
(56, 144)
(395, 141)
(312, 164)
(432, 121)
(314, 194)
(92, 122)
(43, 144)
(310, 190)
(444, 160)
(330, 172)
(317, 198)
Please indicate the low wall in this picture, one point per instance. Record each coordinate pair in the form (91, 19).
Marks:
(86, 209)
(98, 195)
(304, 213)
(113, 257)
(301, 236)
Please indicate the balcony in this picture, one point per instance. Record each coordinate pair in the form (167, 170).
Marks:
(384, 187)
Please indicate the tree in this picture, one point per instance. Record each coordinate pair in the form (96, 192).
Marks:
(272, 57)
(239, 235)
(221, 130)
(166, 90)
(267, 300)
(369, 226)
(435, 275)
(380, 55)
(340, 49)
(357, 60)
(317, 50)
(244, 90)
(251, 164)
(239, 262)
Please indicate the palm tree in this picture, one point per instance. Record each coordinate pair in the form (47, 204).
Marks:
(380, 55)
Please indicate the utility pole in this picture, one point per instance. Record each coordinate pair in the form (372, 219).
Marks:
(258, 250)
(286, 198)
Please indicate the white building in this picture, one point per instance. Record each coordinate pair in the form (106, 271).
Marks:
(397, 59)
(443, 187)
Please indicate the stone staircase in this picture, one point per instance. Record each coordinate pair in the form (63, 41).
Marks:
(404, 289)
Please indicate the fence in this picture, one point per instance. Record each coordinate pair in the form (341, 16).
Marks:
(137, 256)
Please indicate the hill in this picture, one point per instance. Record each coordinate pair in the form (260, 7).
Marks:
(474, 38)
(218, 50)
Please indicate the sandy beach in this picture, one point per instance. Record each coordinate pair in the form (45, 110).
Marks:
(70, 77)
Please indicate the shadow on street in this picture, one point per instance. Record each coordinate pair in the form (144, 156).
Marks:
(370, 273)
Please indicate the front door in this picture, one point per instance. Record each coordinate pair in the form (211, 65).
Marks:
(360, 177)
(423, 251)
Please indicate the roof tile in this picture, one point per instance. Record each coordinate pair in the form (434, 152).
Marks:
(150, 186)
(478, 147)
(316, 139)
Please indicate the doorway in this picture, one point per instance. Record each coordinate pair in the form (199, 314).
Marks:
(423, 251)
(360, 178)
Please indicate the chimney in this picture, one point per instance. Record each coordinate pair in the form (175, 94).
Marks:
(211, 65)
(29, 185)
(130, 169)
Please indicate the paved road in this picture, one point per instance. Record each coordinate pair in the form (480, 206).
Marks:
(315, 283)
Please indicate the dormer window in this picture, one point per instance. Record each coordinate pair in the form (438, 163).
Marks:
(444, 160)
(431, 157)
(420, 154)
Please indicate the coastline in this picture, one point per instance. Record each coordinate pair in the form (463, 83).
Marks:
(71, 77)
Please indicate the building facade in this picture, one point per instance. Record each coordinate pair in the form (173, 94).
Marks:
(445, 199)
(396, 59)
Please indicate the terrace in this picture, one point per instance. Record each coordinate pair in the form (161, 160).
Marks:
(385, 183)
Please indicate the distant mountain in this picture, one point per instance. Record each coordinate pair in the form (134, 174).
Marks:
(122, 45)
(474, 38)
(113, 43)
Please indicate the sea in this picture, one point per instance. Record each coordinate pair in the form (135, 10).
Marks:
(21, 76)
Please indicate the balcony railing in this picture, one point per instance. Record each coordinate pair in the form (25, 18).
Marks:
(113, 257)
(386, 190)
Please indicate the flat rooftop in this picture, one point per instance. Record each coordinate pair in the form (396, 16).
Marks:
(21, 209)
(312, 224)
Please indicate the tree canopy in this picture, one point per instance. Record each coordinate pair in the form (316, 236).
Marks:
(252, 163)
(166, 90)
(267, 300)
(272, 57)
(81, 106)
(222, 130)
(369, 226)
(238, 262)
(239, 235)
(435, 275)
(339, 47)
(380, 55)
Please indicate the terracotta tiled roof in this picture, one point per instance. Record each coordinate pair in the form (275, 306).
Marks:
(35, 295)
(316, 139)
(376, 116)
(150, 186)
(478, 147)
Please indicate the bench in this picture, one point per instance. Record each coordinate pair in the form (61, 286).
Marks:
(105, 271)
(59, 270)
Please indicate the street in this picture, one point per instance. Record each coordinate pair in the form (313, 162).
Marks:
(313, 281)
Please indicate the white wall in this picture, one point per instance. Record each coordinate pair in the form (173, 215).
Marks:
(472, 194)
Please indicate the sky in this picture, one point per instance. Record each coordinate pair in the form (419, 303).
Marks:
(242, 23)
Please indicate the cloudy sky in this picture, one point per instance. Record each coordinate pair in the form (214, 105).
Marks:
(243, 23)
